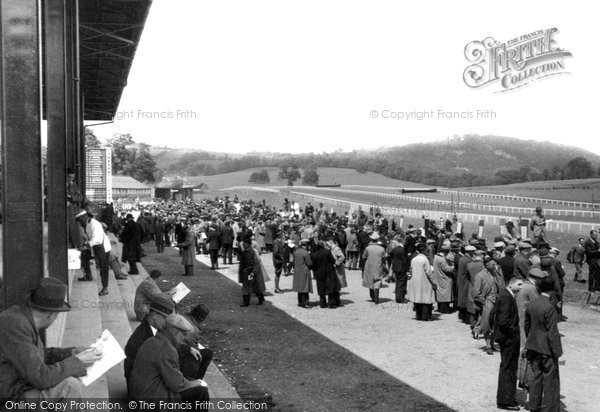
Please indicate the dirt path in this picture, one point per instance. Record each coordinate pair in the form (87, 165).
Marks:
(438, 358)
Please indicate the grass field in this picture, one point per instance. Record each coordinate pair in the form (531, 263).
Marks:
(475, 200)
(327, 175)
(583, 190)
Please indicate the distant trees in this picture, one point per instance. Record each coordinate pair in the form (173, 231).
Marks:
(259, 177)
(578, 168)
(311, 177)
(132, 159)
(289, 173)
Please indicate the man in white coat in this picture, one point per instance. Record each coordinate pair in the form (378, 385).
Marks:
(421, 286)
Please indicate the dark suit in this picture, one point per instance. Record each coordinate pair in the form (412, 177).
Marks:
(399, 266)
(543, 350)
(324, 272)
(507, 263)
(132, 239)
(592, 254)
(213, 238)
(507, 334)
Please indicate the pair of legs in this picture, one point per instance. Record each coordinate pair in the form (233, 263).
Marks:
(507, 375)
(400, 289)
(278, 265)
(374, 294)
(228, 253)
(423, 311)
(248, 287)
(102, 257)
(353, 258)
(214, 258)
(331, 300)
(544, 386)
(303, 300)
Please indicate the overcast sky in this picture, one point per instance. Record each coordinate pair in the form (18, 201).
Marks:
(305, 76)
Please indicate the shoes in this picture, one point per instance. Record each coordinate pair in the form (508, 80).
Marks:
(508, 407)
(85, 279)
(103, 292)
(121, 277)
(489, 350)
(278, 290)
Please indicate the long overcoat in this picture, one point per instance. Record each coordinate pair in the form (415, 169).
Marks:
(375, 268)
(442, 275)
(302, 277)
(419, 286)
(322, 265)
(188, 258)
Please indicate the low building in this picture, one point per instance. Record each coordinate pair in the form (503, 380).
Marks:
(127, 188)
(177, 188)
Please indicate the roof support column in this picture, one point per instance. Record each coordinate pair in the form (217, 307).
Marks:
(20, 108)
(59, 96)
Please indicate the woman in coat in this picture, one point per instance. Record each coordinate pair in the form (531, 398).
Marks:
(375, 268)
(188, 247)
(302, 277)
(421, 286)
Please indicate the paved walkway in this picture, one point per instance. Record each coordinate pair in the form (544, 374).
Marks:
(438, 358)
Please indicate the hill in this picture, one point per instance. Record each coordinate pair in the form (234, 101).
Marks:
(465, 161)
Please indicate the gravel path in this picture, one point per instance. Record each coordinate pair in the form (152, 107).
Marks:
(438, 358)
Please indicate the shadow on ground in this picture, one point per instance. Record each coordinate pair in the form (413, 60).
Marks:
(263, 350)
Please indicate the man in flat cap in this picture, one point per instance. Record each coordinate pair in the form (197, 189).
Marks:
(156, 372)
(28, 370)
(193, 362)
(522, 263)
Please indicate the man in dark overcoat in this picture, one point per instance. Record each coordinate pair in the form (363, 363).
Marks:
(188, 248)
(327, 280)
(250, 274)
(508, 336)
(132, 241)
(543, 350)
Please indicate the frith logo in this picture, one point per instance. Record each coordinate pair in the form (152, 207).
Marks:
(514, 63)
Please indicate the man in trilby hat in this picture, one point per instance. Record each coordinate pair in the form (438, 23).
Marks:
(29, 370)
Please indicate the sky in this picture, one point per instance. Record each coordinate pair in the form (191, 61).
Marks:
(319, 76)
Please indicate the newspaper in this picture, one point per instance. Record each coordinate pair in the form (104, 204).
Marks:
(181, 291)
(112, 354)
